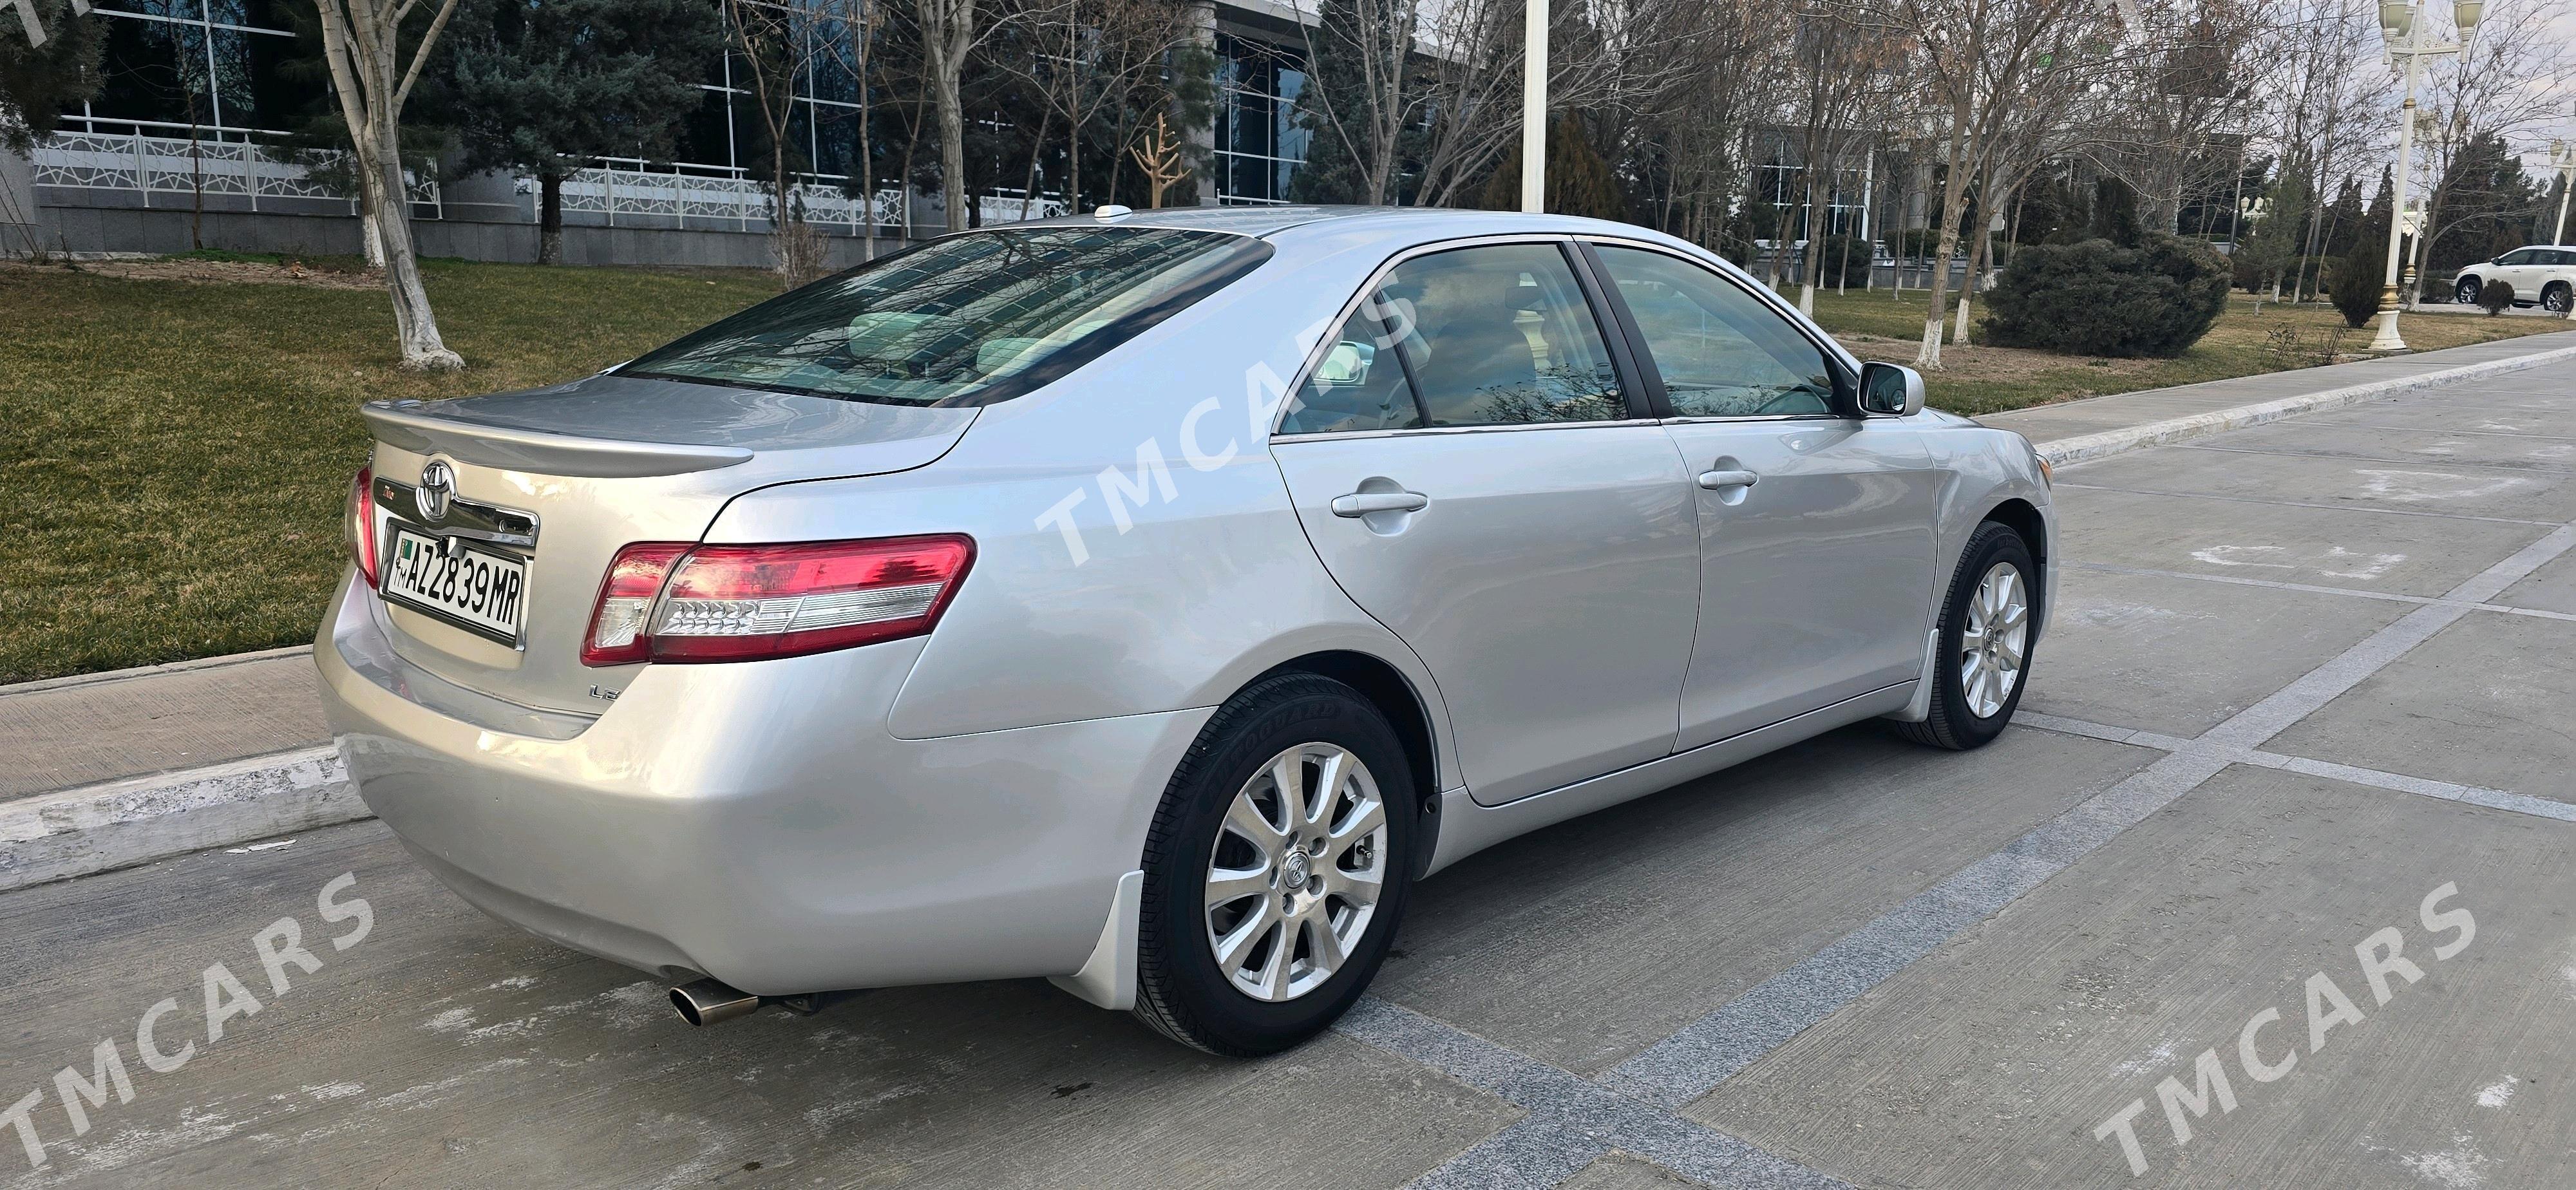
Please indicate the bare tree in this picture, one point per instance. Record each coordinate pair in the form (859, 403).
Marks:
(1089, 57)
(948, 35)
(2508, 84)
(1980, 60)
(362, 42)
(777, 51)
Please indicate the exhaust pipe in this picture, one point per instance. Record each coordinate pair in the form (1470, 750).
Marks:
(712, 1002)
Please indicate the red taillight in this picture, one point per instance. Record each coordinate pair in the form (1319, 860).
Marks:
(666, 601)
(359, 512)
(617, 620)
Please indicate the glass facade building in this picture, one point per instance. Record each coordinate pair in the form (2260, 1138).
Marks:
(1258, 142)
(194, 89)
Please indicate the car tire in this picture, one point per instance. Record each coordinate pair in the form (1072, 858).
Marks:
(1971, 706)
(2555, 298)
(1260, 1002)
(2467, 291)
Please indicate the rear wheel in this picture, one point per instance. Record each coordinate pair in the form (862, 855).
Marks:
(2467, 291)
(1986, 638)
(2555, 299)
(1276, 869)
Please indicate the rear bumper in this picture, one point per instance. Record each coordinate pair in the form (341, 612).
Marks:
(757, 823)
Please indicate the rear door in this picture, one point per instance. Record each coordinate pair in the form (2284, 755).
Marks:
(2518, 268)
(1816, 524)
(1467, 462)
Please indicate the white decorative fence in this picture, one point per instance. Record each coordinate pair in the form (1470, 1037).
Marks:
(629, 189)
(171, 171)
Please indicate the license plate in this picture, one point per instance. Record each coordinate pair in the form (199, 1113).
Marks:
(465, 586)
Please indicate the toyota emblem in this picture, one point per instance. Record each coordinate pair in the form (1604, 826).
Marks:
(437, 486)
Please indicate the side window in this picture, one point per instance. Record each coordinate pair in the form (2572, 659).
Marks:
(1359, 384)
(1502, 335)
(2519, 256)
(1722, 353)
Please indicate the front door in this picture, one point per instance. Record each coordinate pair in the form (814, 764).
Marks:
(1470, 470)
(1816, 524)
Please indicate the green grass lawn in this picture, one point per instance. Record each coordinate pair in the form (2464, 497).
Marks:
(173, 452)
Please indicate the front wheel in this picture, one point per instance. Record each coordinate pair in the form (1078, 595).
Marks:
(2556, 298)
(1276, 870)
(1986, 639)
(2467, 291)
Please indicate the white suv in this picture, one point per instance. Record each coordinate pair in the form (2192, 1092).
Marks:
(2543, 275)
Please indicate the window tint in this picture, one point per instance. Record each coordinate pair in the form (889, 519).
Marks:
(1359, 384)
(1721, 351)
(964, 320)
(1502, 336)
(2518, 256)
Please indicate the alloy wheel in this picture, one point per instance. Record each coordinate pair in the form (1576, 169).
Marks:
(1995, 639)
(1295, 873)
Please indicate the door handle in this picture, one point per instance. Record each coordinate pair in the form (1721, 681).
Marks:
(1715, 480)
(1364, 503)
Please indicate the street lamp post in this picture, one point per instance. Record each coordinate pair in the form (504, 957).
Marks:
(2562, 157)
(2409, 39)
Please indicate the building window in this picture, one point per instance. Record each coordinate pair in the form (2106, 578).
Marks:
(173, 65)
(1258, 143)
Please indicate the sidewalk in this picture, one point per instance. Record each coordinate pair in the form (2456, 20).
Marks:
(108, 770)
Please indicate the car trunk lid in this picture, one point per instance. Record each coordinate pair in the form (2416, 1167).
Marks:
(557, 479)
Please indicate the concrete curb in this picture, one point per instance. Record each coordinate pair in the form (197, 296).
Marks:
(99, 828)
(150, 671)
(2160, 433)
(119, 824)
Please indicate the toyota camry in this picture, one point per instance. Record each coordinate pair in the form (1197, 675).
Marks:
(1148, 600)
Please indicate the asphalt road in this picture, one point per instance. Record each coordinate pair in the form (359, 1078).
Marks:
(2290, 809)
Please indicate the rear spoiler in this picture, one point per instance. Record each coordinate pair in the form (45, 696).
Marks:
(410, 426)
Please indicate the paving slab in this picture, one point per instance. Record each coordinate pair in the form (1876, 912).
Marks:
(445, 1049)
(54, 735)
(2551, 588)
(2178, 655)
(2442, 447)
(1584, 943)
(2068, 418)
(2359, 548)
(2412, 487)
(2467, 413)
(1992, 1062)
(2489, 701)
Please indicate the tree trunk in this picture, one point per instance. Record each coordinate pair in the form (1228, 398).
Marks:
(1954, 192)
(952, 154)
(947, 33)
(549, 218)
(415, 326)
(370, 244)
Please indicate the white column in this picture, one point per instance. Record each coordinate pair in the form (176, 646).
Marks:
(1534, 109)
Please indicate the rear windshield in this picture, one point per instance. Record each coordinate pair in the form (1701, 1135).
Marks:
(966, 320)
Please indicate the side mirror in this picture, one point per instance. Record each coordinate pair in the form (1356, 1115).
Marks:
(1345, 365)
(1887, 390)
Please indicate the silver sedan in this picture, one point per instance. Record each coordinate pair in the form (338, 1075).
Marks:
(1146, 601)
